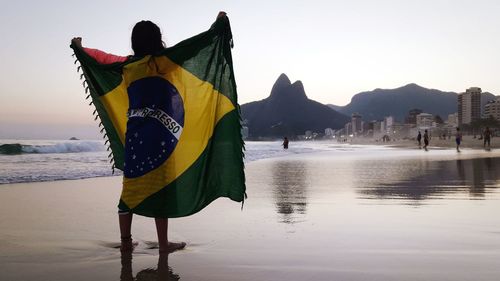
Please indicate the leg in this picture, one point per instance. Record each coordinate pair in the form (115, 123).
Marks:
(126, 272)
(162, 231)
(125, 220)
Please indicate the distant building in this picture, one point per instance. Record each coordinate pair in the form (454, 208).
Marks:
(339, 133)
(492, 109)
(412, 116)
(400, 130)
(388, 122)
(469, 106)
(425, 121)
(371, 128)
(452, 120)
(357, 124)
(308, 135)
(329, 132)
(348, 129)
(376, 126)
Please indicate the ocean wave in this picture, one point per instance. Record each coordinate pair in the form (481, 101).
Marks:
(62, 147)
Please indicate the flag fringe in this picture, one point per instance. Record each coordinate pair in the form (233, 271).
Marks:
(95, 113)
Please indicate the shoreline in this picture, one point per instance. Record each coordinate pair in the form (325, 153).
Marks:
(468, 142)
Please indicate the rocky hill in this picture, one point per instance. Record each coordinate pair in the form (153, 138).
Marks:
(288, 112)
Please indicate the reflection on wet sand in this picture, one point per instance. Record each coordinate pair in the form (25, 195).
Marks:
(162, 273)
(289, 181)
(421, 180)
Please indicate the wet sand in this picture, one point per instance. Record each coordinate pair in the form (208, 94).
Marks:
(468, 142)
(356, 213)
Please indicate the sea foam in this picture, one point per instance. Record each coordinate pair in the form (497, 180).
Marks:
(61, 147)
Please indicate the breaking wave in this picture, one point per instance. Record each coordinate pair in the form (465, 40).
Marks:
(63, 147)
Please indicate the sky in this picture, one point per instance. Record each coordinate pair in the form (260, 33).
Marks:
(336, 48)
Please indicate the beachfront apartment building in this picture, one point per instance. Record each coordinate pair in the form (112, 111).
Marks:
(348, 129)
(492, 109)
(469, 106)
(452, 120)
(425, 121)
(357, 124)
(386, 125)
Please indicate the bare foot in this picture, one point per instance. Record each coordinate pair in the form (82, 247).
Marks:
(172, 247)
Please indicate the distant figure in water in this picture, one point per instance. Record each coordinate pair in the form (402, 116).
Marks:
(419, 139)
(487, 137)
(285, 143)
(458, 139)
(426, 140)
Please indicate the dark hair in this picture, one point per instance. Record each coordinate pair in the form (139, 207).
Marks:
(146, 39)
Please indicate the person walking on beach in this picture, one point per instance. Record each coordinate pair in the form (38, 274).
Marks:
(419, 140)
(146, 40)
(426, 139)
(285, 143)
(458, 138)
(487, 137)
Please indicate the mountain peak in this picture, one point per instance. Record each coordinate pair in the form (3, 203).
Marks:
(413, 86)
(280, 86)
(283, 89)
(283, 79)
(298, 89)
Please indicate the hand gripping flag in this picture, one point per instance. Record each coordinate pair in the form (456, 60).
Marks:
(173, 124)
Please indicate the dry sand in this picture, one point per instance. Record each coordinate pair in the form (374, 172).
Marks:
(349, 215)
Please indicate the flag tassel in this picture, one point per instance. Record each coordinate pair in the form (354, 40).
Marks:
(95, 113)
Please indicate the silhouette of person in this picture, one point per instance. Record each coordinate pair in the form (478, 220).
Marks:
(487, 137)
(458, 139)
(285, 143)
(426, 139)
(146, 39)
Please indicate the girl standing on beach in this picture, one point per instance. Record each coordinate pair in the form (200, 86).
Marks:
(146, 40)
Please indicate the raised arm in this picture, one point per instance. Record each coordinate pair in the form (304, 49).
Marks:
(100, 56)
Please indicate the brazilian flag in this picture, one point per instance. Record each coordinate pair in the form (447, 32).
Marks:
(173, 124)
